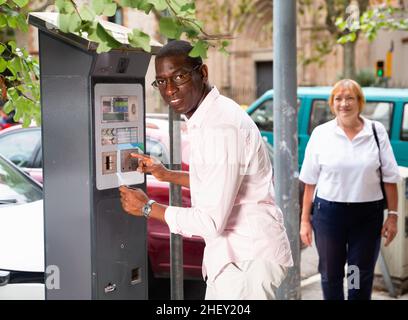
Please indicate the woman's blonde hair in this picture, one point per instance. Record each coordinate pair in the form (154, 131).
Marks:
(351, 85)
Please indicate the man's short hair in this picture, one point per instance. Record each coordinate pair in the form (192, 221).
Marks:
(179, 48)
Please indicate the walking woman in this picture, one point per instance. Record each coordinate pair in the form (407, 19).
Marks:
(343, 201)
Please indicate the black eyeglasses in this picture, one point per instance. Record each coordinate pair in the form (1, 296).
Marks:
(177, 79)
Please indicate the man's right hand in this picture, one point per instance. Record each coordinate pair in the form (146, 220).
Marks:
(151, 165)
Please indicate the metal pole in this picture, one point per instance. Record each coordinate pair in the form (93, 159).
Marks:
(285, 134)
(176, 241)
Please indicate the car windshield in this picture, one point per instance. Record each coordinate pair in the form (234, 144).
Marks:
(15, 187)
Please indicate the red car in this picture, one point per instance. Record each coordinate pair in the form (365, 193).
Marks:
(23, 147)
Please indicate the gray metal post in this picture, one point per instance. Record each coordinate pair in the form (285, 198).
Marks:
(176, 241)
(285, 134)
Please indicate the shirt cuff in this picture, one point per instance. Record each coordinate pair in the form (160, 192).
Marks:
(307, 179)
(171, 217)
(392, 179)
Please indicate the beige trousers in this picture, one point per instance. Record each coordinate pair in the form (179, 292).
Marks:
(247, 280)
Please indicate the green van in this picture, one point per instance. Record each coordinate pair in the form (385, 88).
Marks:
(388, 106)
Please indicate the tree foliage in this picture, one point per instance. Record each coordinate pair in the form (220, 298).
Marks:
(345, 20)
(383, 17)
(177, 18)
(19, 72)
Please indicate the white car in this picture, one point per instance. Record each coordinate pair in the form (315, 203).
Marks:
(21, 235)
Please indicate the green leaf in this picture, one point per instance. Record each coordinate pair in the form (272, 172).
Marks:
(110, 10)
(21, 3)
(160, 5)
(2, 2)
(341, 24)
(12, 93)
(352, 37)
(3, 64)
(2, 48)
(87, 14)
(169, 28)
(19, 112)
(190, 6)
(65, 6)
(74, 23)
(131, 3)
(22, 23)
(64, 21)
(142, 5)
(200, 49)
(26, 121)
(98, 6)
(223, 47)
(191, 33)
(104, 7)
(105, 41)
(12, 22)
(126, 3)
(180, 6)
(3, 21)
(14, 65)
(8, 106)
(13, 46)
(342, 40)
(139, 39)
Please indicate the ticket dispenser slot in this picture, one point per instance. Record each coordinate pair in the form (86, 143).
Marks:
(119, 127)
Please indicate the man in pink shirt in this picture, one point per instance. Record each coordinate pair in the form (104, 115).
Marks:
(233, 208)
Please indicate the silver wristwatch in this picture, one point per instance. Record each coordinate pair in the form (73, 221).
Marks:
(147, 208)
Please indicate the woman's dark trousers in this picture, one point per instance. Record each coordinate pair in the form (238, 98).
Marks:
(347, 233)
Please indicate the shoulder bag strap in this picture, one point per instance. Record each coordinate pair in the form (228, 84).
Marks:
(378, 145)
(379, 155)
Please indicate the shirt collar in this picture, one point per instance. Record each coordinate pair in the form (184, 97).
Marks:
(366, 131)
(198, 116)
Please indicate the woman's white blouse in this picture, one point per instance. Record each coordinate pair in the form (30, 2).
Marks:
(348, 171)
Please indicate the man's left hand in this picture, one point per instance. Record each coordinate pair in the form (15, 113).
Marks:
(133, 200)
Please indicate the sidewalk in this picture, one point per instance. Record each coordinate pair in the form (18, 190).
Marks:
(310, 279)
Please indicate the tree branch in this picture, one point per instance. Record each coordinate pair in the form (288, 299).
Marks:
(187, 21)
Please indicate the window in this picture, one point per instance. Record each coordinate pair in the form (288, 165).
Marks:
(404, 131)
(320, 114)
(15, 188)
(156, 149)
(263, 116)
(19, 147)
(379, 111)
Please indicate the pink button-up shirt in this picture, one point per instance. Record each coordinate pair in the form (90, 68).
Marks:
(232, 195)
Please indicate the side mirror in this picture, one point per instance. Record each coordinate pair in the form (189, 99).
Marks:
(4, 277)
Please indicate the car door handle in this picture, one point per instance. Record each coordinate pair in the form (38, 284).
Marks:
(4, 277)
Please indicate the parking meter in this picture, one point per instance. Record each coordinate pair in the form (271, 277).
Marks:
(93, 117)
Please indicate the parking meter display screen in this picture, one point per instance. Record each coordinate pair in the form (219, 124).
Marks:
(115, 109)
